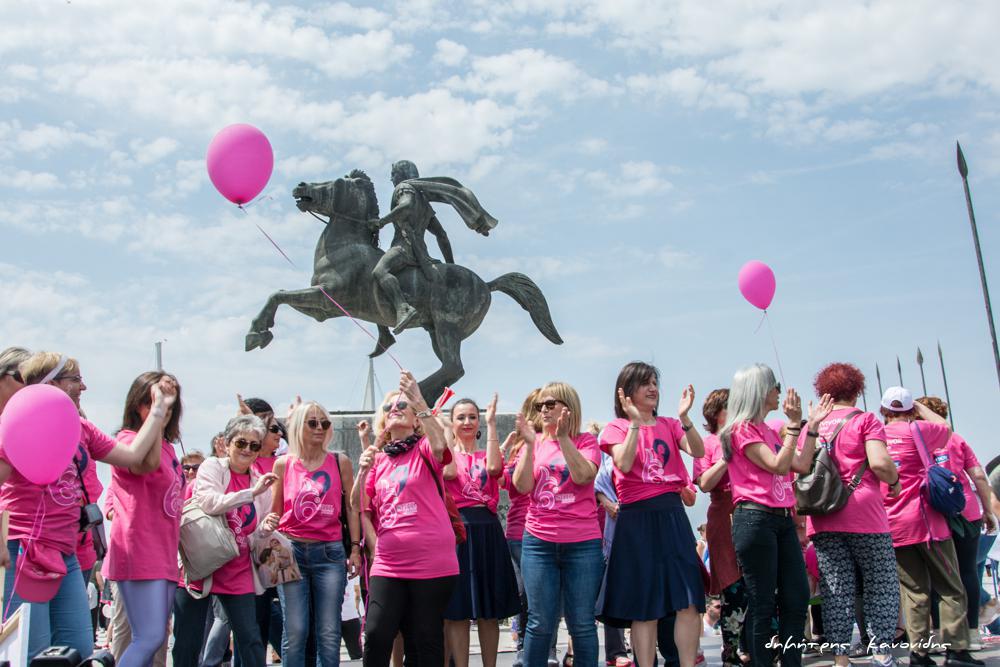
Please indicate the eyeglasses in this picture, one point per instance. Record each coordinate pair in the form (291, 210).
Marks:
(547, 405)
(274, 428)
(243, 444)
(315, 424)
(191, 467)
(402, 405)
(16, 374)
(74, 378)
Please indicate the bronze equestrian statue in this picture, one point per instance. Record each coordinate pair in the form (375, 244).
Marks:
(447, 300)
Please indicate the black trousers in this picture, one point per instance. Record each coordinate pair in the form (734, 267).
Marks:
(414, 607)
(350, 632)
(189, 627)
(269, 619)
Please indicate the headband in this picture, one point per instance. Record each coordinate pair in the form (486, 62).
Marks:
(51, 375)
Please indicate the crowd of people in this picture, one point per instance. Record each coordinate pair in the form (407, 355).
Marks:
(286, 544)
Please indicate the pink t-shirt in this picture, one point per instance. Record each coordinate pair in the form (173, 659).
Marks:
(518, 510)
(958, 457)
(751, 482)
(864, 511)
(312, 501)
(912, 520)
(657, 467)
(415, 538)
(146, 526)
(60, 500)
(264, 464)
(561, 510)
(472, 486)
(236, 577)
(713, 454)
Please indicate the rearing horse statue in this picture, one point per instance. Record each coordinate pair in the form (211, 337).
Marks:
(451, 302)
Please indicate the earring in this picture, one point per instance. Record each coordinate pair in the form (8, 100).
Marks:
(479, 434)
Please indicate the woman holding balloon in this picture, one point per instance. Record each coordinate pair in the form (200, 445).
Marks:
(43, 493)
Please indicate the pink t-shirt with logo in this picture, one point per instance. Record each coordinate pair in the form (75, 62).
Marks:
(912, 520)
(517, 513)
(472, 486)
(61, 500)
(561, 510)
(146, 526)
(236, 576)
(713, 454)
(864, 511)
(657, 467)
(958, 457)
(415, 538)
(751, 482)
(312, 501)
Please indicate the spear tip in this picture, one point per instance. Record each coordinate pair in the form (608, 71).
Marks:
(963, 168)
(920, 357)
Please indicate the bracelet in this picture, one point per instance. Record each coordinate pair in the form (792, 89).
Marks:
(687, 428)
(424, 414)
(812, 434)
(894, 483)
(633, 428)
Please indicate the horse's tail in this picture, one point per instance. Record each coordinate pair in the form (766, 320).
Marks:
(527, 295)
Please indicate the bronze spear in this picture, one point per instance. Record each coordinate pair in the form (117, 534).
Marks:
(878, 376)
(899, 369)
(951, 412)
(920, 363)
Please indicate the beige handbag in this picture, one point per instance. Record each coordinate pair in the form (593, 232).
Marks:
(206, 542)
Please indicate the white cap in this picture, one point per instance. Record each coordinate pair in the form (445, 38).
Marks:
(897, 399)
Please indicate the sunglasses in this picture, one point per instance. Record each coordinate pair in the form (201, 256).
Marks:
(777, 387)
(243, 444)
(547, 405)
(74, 378)
(402, 405)
(16, 374)
(191, 467)
(314, 424)
(274, 428)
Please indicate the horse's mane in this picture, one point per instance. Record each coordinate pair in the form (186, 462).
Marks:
(365, 183)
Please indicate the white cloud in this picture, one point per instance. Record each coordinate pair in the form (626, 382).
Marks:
(632, 179)
(44, 139)
(22, 179)
(592, 146)
(689, 88)
(152, 151)
(449, 53)
(527, 74)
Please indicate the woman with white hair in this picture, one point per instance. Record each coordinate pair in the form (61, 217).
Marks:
(307, 504)
(10, 377)
(760, 469)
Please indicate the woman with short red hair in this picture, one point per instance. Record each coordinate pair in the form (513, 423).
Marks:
(856, 537)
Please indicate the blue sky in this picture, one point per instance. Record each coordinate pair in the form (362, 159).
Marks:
(636, 154)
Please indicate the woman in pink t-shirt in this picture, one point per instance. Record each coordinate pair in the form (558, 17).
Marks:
(764, 534)
(725, 579)
(59, 607)
(958, 457)
(308, 507)
(415, 566)
(231, 487)
(653, 540)
(486, 589)
(561, 547)
(925, 553)
(856, 537)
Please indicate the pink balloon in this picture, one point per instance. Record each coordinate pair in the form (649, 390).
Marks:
(756, 281)
(239, 162)
(40, 432)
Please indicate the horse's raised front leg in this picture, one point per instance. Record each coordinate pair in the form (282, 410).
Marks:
(385, 341)
(309, 301)
(447, 342)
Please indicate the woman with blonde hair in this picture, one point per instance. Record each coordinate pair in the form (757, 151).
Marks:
(561, 549)
(415, 565)
(59, 601)
(307, 502)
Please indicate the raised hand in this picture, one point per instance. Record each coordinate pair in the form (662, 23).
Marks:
(291, 406)
(793, 406)
(411, 390)
(367, 458)
(364, 432)
(524, 429)
(687, 400)
(507, 442)
(562, 423)
(491, 411)
(628, 407)
(819, 412)
(164, 392)
(264, 482)
(241, 407)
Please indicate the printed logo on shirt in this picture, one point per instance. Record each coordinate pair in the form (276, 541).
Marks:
(309, 498)
(173, 499)
(241, 521)
(475, 484)
(550, 478)
(655, 461)
(66, 490)
(941, 458)
(778, 487)
(392, 488)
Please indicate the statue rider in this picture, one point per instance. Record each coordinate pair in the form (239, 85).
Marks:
(412, 216)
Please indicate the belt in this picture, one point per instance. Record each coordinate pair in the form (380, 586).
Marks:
(757, 507)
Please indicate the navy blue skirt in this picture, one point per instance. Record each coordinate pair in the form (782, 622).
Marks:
(653, 568)
(486, 586)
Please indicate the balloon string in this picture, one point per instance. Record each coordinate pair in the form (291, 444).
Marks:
(332, 300)
(774, 344)
(36, 531)
(761, 323)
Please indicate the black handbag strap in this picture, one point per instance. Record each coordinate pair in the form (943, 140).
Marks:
(79, 476)
(437, 482)
(856, 480)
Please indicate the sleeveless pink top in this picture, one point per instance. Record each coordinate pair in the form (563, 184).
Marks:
(312, 501)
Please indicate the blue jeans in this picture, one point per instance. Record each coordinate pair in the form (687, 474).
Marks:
(65, 619)
(985, 544)
(324, 576)
(569, 573)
